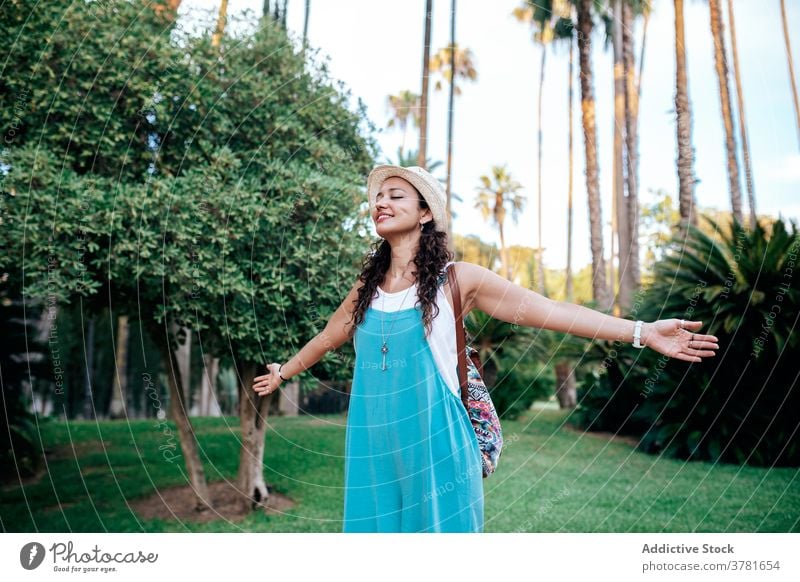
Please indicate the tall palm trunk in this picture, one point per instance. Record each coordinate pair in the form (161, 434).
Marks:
(222, 19)
(503, 251)
(683, 111)
(619, 213)
(585, 26)
(748, 170)
(721, 66)
(450, 104)
(566, 387)
(426, 65)
(632, 152)
(570, 290)
(305, 25)
(539, 264)
(790, 62)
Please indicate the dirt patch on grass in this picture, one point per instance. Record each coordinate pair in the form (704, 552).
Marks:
(606, 436)
(76, 450)
(178, 503)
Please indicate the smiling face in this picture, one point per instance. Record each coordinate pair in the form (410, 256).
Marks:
(398, 208)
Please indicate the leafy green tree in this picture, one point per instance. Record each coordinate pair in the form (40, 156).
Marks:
(241, 226)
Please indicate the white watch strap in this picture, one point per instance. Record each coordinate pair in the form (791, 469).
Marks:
(637, 334)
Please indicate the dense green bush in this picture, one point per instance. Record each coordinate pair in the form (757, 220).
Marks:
(518, 361)
(520, 386)
(740, 406)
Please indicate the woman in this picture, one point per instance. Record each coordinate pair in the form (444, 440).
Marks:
(412, 462)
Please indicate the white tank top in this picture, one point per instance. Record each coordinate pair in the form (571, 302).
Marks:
(442, 339)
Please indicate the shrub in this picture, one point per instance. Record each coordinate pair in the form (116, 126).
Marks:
(740, 406)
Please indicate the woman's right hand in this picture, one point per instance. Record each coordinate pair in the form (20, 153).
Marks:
(268, 383)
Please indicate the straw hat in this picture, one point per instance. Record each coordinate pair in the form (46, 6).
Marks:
(429, 187)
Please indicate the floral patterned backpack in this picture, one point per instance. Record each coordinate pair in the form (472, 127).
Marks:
(474, 393)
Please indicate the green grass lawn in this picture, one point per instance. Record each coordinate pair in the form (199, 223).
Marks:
(551, 478)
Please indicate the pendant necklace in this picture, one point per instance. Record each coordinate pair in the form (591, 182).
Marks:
(384, 345)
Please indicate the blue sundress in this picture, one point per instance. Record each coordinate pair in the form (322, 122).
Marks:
(412, 462)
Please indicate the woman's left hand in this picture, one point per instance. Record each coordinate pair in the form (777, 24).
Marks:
(676, 338)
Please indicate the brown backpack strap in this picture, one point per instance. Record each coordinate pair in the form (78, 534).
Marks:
(461, 343)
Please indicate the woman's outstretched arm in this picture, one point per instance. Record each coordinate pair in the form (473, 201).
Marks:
(504, 300)
(336, 332)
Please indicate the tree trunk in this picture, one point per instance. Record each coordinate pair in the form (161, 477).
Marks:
(503, 252)
(118, 407)
(539, 264)
(88, 391)
(721, 66)
(632, 151)
(566, 390)
(289, 404)
(209, 404)
(426, 64)
(253, 410)
(790, 62)
(619, 215)
(569, 285)
(683, 111)
(186, 434)
(184, 358)
(451, 102)
(222, 19)
(168, 9)
(599, 287)
(748, 170)
(305, 25)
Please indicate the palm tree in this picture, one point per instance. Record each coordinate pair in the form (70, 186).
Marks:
(464, 66)
(445, 61)
(566, 388)
(548, 26)
(632, 86)
(585, 27)
(790, 62)
(409, 158)
(540, 18)
(683, 112)
(748, 171)
(403, 107)
(619, 213)
(305, 24)
(222, 19)
(721, 66)
(426, 58)
(279, 12)
(495, 194)
(571, 165)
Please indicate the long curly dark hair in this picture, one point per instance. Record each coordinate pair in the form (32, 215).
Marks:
(430, 260)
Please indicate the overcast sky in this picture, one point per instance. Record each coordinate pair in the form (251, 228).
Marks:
(375, 47)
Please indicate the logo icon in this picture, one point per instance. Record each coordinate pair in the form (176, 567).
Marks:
(31, 555)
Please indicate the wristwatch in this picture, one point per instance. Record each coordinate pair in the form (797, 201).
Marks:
(637, 334)
(281, 375)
